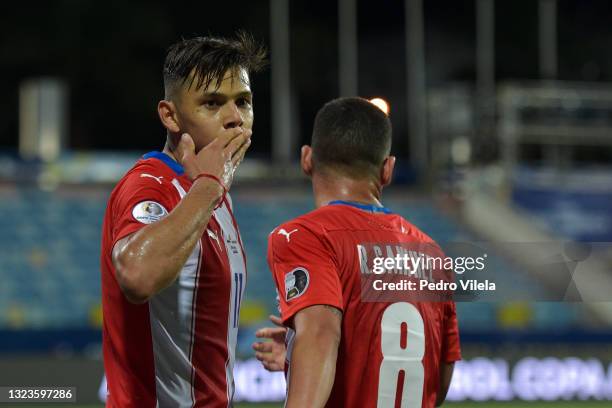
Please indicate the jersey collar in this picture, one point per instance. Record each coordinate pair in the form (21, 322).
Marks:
(177, 168)
(365, 207)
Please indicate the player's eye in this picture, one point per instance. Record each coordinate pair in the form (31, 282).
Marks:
(243, 102)
(212, 103)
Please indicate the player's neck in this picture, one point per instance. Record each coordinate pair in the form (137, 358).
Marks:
(327, 189)
(168, 151)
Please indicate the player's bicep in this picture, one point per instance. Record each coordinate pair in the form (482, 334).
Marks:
(313, 356)
(119, 248)
(124, 274)
(322, 319)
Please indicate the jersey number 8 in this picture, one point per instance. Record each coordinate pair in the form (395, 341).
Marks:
(402, 341)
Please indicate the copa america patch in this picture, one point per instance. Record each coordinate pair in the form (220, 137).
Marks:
(148, 212)
(296, 283)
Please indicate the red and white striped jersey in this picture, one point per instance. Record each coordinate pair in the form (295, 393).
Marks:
(177, 349)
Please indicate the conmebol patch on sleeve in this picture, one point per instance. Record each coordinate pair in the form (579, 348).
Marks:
(148, 212)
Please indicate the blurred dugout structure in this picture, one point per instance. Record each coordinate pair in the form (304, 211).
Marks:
(515, 162)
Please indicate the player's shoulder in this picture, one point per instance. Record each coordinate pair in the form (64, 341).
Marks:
(153, 169)
(409, 228)
(303, 229)
(315, 222)
(149, 176)
(149, 171)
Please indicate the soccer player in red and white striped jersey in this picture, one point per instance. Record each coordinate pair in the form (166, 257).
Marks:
(343, 351)
(173, 264)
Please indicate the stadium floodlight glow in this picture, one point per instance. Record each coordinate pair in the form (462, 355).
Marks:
(381, 104)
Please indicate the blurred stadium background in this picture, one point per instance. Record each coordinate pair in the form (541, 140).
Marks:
(502, 115)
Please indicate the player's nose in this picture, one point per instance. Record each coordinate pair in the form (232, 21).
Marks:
(233, 117)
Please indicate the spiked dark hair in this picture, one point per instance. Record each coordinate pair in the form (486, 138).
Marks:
(204, 60)
(351, 136)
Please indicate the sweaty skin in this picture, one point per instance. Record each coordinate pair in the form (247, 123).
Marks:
(313, 360)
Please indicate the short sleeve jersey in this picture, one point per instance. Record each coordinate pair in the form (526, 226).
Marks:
(383, 361)
(177, 349)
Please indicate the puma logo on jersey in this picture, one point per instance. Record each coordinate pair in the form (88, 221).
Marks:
(214, 236)
(287, 235)
(158, 179)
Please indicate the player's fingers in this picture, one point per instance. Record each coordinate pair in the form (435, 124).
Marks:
(229, 135)
(271, 332)
(260, 358)
(225, 138)
(264, 357)
(236, 143)
(269, 366)
(263, 347)
(276, 320)
(266, 332)
(279, 330)
(239, 155)
(247, 133)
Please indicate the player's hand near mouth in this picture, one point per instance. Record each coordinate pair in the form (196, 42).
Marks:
(150, 259)
(219, 158)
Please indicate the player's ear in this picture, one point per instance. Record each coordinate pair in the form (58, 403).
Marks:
(167, 114)
(306, 160)
(386, 173)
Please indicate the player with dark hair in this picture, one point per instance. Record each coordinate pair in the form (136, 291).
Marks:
(342, 351)
(173, 265)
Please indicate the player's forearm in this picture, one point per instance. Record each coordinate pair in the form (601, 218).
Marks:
(313, 368)
(446, 374)
(152, 258)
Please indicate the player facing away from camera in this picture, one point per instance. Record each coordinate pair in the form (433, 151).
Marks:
(341, 351)
(173, 265)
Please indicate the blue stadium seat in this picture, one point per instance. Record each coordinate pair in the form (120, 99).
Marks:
(50, 251)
